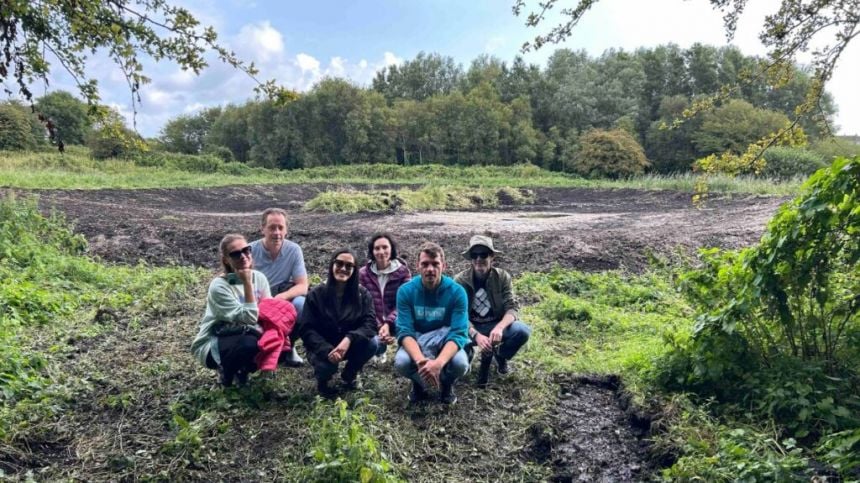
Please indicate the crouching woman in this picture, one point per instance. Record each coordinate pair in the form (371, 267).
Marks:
(339, 324)
(227, 339)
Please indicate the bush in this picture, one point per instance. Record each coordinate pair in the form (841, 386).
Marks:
(113, 140)
(609, 154)
(221, 152)
(787, 162)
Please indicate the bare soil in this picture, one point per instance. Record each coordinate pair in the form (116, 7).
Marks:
(589, 434)
(585, 229)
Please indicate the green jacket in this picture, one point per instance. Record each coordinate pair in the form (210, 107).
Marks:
(500, 290)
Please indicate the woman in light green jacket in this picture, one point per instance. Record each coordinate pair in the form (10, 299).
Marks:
(227, 339)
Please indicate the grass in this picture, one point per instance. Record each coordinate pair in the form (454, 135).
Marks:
(76, 170)
(431, 197)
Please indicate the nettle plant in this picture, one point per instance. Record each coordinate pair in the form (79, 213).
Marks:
(781, 318)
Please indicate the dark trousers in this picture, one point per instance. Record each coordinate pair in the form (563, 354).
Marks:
(237, 354)
(360, 351)
(513, 338)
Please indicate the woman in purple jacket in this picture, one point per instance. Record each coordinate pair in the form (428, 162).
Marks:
(383, 274)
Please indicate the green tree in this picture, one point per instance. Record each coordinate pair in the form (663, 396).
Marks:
(110, 138)
(734, 126)
(69, 117)
(418, 79)
(188, 134)
(231, 130)
(19, 128)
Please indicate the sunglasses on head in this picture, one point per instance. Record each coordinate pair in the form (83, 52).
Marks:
(237, 254)
(342, 265)
(477, 255)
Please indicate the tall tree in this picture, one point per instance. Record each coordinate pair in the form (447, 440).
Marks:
(68, 116)
(418, 79)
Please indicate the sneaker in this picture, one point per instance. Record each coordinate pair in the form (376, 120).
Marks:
(484, 371)
(417, 394)
(447, 395)
(290, 359)
(504, 367)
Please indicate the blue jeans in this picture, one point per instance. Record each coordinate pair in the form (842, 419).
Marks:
(359, 352)
(299, 304)
(431, 344)
(513, 337)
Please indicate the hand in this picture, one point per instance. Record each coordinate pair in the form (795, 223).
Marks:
(430, 371)
(385, 334)
(484, 343)
(245, 274)
(496, 335)
(338, 353)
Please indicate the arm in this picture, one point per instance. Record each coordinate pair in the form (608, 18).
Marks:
(366, 328)
(510, 305)
(299, 288)
(405, 319)
(226, 306)
(392, 316)
(459, 333)
(311, 317)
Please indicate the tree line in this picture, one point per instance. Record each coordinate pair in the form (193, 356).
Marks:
(432, 110)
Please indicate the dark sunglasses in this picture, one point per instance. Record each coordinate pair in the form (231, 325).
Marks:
(237, 254)
(341, 265)
(477, 255)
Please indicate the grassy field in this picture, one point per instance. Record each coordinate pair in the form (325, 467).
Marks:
(76, 170)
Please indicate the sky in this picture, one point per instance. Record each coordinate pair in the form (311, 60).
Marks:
(298, 43)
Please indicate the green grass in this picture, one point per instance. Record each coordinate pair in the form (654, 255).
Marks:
(76, 170)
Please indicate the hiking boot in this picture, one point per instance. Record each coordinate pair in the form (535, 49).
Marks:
(290, 359)
(447, 395)
(242, 378)
(484, 371)
(503, 366)
(417, 394)
(351, 382)
(325, 390)
(223, 378)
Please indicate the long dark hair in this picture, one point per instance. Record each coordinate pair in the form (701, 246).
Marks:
(377, 236)
(351, 304)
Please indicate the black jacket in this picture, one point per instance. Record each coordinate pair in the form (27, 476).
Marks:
(323, 326)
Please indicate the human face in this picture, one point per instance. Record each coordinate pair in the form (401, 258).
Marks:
(431, 270)
(482, 260)
(238, 255)
(275, 230)
(382, 252)
(342, 268)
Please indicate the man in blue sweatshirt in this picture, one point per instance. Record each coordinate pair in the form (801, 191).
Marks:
(432, 328)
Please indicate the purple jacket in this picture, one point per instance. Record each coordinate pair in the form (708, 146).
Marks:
(384, 303)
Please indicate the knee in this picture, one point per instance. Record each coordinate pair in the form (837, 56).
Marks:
(403, 363)
(299, 304)
(519, 332)
(247, 345)
(459, 364)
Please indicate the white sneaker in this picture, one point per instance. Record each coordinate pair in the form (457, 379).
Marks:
(291, 359)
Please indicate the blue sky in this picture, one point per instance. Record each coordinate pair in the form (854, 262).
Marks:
(297, 43)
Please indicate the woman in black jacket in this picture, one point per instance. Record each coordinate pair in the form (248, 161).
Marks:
(338, 323)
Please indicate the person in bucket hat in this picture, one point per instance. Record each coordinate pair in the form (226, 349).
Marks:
(494, 328)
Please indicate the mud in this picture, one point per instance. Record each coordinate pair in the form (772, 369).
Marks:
(573, 228)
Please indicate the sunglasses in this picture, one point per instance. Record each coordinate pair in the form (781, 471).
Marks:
(237, 254)
(477, 255)
(341, 265)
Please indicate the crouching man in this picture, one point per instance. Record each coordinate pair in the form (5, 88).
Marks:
(432, 328)
(494, 329)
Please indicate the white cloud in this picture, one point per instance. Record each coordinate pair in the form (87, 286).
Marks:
(308, 64)
(262, 41)
(390, 59)
(337, 66)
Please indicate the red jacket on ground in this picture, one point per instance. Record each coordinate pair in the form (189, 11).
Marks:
(277, 318)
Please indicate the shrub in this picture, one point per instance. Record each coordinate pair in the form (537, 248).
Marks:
(114, 140)
(221, 152)
(788, 162)
(609, 154)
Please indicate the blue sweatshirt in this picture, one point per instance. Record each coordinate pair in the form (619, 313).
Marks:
(420, 310)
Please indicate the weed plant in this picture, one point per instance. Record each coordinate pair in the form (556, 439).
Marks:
(431, 197)
(52, 297)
